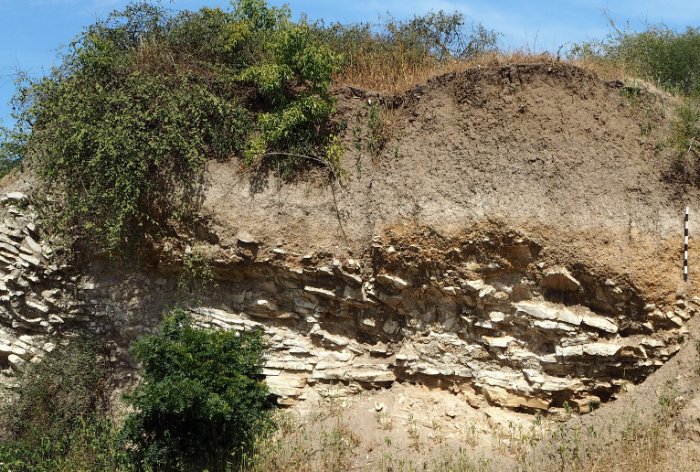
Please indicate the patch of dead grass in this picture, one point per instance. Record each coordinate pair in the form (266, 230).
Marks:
(639, 442)
(396, 75)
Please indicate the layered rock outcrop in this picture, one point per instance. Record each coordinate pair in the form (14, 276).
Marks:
(481, 317)
(37, 298)
(481, 314)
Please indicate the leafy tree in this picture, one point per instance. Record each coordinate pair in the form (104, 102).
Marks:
(201, 403)
(120, 131)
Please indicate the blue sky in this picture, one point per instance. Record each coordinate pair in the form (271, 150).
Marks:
(32, 31)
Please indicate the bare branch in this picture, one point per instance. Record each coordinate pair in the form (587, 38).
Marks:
(304, 156)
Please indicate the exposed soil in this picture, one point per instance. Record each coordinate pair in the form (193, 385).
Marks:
(547, 152)
(546, 148)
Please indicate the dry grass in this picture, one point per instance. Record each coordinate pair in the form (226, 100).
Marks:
(637, 442)
(447, 460)
(311, 445)
(393, 74)
(639, 447)
(606, 70)
(305, 446)
(396, 74)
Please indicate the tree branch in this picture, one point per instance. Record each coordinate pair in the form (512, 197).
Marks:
(304, 156)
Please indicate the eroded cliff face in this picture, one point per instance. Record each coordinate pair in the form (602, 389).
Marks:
(485, 313)
(517, 242)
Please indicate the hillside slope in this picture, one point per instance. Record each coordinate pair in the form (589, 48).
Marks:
(515, 245)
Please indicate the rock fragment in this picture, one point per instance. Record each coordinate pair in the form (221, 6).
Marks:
(560, 280)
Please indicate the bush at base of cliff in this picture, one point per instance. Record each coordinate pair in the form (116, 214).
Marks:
(201, 403)
(57, 419)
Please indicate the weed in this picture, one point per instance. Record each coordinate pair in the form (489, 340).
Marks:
(338, 445)
(304, 444)
(633, 93)
(568, 409)
(357, 138)
(379, 131)
(460, 460)
(197, 274)
(413, 432)
(684, 136)
(376, 135)
(473, 437)
(58, 420)
(635, 441)
(385, 421)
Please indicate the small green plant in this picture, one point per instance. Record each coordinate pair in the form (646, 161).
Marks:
(202, 402)
(633, 93)
(385, 421)
(413, 432)
(338, 445)
(357, 138)
(197, 274)
(684, 136)
(568, 408)
(334, 151)
(376, 133)
(437, 435)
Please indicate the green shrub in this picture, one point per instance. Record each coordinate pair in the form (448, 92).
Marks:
(669, 58)
(684, 136)
(56, 393)
(197, 273)
(120, 132)
(201, 403)
(10, 148)
(57, 421)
